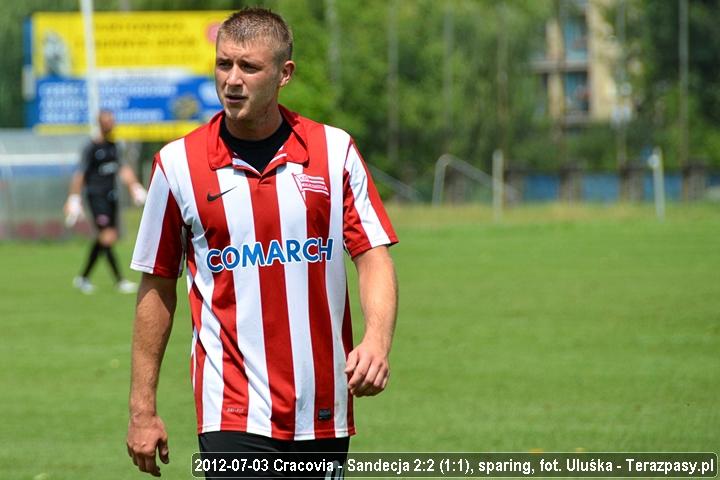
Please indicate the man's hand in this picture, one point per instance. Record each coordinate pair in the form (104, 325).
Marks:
(367, 364)
(146, 435)
(368, 368)
(153, 322)
(73, 210)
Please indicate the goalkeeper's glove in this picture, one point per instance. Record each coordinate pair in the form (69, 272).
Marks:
(73, 210)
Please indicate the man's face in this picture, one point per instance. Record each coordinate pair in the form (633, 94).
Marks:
(106, 121)
(248, 78)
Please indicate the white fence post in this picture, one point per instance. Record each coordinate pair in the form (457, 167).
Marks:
(656, 163)
(498, 168)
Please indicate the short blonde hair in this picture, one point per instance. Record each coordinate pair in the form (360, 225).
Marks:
(255, 23)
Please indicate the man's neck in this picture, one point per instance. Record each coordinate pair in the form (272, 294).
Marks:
(258, 129)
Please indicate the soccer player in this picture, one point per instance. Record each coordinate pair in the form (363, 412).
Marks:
(261, 202)
(99, 165)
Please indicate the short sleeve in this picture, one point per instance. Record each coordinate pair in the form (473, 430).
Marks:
(366, 225)
(159, 247)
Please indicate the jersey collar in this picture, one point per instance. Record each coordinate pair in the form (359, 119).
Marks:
(294, 150)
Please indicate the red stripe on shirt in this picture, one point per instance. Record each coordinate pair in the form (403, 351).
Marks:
(199, 354)
(318, 226)
(347, 337)
(356, 239)
(157, 163)
(190, 253)
(170, 249)
(274, 304)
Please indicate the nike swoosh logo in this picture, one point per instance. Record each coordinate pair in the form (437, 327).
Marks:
(212, 198)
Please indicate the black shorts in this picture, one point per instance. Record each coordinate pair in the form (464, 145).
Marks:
(104, 209)
(264, 457)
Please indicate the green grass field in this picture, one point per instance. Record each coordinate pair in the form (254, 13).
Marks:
(560, 328)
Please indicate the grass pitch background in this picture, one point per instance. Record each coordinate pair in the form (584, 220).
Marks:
(561, 328)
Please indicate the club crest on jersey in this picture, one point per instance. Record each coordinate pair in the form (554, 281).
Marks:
(309, 183)
(312, 250)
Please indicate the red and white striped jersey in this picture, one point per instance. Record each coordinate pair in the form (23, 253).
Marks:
(265, 273)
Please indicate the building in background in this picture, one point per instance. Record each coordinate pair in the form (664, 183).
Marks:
(577, 68)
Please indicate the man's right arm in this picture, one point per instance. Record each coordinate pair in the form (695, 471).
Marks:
(153, 323)
(76, 183)
(73, 205)
(78, 179)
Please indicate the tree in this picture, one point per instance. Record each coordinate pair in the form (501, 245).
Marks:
(653, 34)
(449, 54)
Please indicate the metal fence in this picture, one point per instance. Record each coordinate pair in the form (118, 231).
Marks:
(34, 177)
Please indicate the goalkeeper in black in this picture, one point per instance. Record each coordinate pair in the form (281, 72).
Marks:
(97, 174)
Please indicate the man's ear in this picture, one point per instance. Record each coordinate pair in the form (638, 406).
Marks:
(287, 71)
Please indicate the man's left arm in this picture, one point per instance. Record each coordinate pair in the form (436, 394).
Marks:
(367, 363)
(137, 191)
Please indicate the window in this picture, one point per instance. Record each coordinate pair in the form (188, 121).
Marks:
(577, 93)
(575, 38)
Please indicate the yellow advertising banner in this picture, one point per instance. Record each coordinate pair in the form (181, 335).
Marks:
(126, 40)
(154, 71)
